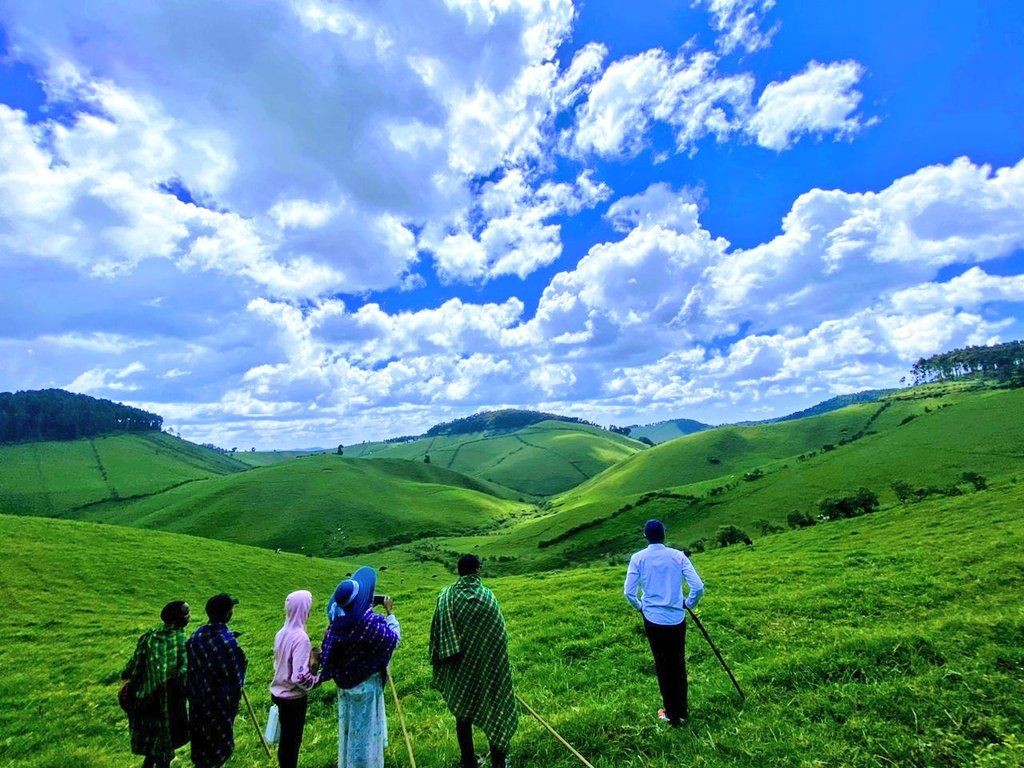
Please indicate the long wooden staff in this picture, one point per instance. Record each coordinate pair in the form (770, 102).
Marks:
(714, 648)
(401, 718)
(554, 733)
(256, 724)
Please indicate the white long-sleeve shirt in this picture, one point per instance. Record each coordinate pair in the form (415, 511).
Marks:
(659, 571)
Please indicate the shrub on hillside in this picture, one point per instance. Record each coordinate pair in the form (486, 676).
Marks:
(753, 475)
(904, 491)
(863, 502)
(797, 519)
(728, 535)
(697, 545)
(979, 482)
(765, 527)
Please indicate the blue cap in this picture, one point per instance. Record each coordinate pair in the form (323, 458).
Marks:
(654, 531)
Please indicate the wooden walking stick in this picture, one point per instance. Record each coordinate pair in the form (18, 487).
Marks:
(401, 718)
(555, 733)
(714, 648)
(256, 724)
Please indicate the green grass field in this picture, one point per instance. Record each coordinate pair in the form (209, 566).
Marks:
(539, 460)
(59, 478)
(895, 639)
(323, 505)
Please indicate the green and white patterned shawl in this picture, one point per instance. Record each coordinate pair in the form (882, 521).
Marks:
(469, 655)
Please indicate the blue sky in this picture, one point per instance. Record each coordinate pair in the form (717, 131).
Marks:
(315, 222)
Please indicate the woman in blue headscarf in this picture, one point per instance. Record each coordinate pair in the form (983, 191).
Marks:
(356, 651)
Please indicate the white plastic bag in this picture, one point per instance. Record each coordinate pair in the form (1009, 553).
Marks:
(273, 732)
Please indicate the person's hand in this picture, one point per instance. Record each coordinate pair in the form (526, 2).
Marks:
(389, 606)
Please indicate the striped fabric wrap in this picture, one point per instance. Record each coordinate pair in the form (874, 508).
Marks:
(469, 655)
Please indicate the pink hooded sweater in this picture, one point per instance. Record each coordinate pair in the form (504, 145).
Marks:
(291, 649)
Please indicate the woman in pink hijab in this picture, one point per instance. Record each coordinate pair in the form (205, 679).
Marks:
(292, 675)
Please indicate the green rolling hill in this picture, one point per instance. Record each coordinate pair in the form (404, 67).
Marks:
(926, 437)
(323, 505)
(55, 478)
(891, 639)
(540, 459)
(266, 458)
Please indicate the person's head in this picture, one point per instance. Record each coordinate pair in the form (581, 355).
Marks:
(297, 607)
(469, 565)
(176, 614)
(654, 531)
(220, 608)
(353, 597)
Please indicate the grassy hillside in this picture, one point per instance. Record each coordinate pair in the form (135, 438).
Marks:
(58, 477)
(539, 460)
(266, 458)
(926, 437)
(323, 504)
(893, 639)
(835, 403)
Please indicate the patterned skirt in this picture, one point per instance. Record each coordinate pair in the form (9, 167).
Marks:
(362, 725)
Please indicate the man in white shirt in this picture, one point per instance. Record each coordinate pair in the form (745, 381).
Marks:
(658, 571)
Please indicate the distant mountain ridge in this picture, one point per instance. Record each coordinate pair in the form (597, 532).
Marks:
(827, 406)
(663, 431)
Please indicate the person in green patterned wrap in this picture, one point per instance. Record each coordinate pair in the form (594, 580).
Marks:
(469, 656)
(153, 691)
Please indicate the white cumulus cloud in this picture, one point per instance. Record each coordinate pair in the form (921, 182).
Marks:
(821, 100)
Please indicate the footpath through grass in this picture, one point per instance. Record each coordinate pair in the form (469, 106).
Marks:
(895, 639)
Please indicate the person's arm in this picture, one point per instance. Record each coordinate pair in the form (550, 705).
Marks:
(693, 581)
(301, 676)
(632, 583)
(234, 663)
(182, 660)
(392, 620)
(326, 671)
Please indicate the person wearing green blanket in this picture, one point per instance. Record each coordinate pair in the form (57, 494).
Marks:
(153, 689)
(469, 656)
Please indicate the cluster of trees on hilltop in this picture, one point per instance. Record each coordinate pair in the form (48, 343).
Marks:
(1004, 362)
(53, 414)
(494, 421)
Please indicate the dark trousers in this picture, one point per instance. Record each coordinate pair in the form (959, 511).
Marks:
(668, 646)
(464, 732)
(153, 762)
(292, 714)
